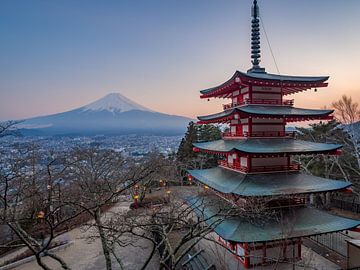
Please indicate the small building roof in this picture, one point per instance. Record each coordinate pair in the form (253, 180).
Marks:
(267, 146)
(355, 242)
(267, 111)
(281, 224)
(197, 262)
(290, 84)
(271, 184)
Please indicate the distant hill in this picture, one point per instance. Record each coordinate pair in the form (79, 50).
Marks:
(113, 114)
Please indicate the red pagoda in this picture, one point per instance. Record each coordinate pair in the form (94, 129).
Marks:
(257, 164)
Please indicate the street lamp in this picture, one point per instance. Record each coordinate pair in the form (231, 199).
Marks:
(168, 192)
(136, 197)
(40, 215)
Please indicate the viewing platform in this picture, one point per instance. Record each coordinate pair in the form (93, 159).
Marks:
(259, 134)
(286, 102)
(259, 169)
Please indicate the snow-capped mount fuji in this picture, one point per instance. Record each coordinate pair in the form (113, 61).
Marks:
(113, 114)
(115, 102)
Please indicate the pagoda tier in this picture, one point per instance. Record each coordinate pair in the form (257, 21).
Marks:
(253, 155)
(259, 185)
(286, 223)
(253, 82)
(267, 146)
(287, 113)
(264, 238)
(262, 121)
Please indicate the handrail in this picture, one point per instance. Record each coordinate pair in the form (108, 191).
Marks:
(290, 134)
(269, 134)
(286, 102)
(273, 168)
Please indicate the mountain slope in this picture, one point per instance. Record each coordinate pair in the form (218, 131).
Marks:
(114, 102)
(112, 114)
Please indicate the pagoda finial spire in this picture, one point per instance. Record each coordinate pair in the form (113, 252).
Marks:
(255, 39)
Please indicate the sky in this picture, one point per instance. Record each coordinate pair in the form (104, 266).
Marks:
(60, 55)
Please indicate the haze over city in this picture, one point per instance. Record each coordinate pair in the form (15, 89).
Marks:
(59, 55)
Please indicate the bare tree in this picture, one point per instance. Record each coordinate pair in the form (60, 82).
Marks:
(99, 178)
(26, 205)
(171, 229)
(348, 113)
(9, 128)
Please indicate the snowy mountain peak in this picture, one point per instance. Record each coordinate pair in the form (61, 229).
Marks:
(114, 102)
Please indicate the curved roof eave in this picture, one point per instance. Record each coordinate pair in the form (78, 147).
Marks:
(267, 146)
(284, 78)
(259, 185)
(300, 222)
(209, 90)
(269, 77)
(280, 111)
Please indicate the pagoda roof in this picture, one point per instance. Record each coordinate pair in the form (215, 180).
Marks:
(283, 78)
(267, 146)
(290, 84)
(282, 224)
(290, 113)
(271, 184)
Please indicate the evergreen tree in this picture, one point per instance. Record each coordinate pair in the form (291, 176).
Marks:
(208, 133)
(198, 133)
(185, 150)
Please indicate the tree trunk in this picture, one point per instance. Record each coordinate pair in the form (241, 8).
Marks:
(58, 259)
(106, 249)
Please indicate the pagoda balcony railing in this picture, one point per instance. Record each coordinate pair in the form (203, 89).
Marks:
(259, 169)
(289, 134)
(269, 134)
(286, 102)
(234, 166)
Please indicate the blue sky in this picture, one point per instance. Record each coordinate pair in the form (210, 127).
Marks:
(58, 55)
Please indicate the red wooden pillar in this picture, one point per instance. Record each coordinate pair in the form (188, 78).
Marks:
(288, 161)
(284, 250)
(246, 256)
(284, 126)
(237, 160)
(250, 128)
(264, 253)
(299, 249)
(239, 129)
(248, 163)
(250, 94)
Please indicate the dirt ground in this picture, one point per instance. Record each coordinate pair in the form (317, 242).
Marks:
(85, 255)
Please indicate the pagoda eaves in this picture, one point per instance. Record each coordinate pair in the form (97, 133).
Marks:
(290, 114)
(259, 185)
(267, 146)
(303, 222)
(288, 84)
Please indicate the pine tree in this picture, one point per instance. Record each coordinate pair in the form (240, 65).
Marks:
(198, 133)
(185, 150)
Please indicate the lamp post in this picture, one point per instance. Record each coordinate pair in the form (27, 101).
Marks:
(168, 193)
(40, 216)
(136, 196)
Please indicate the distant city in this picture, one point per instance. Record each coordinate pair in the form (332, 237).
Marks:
(132, 145)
